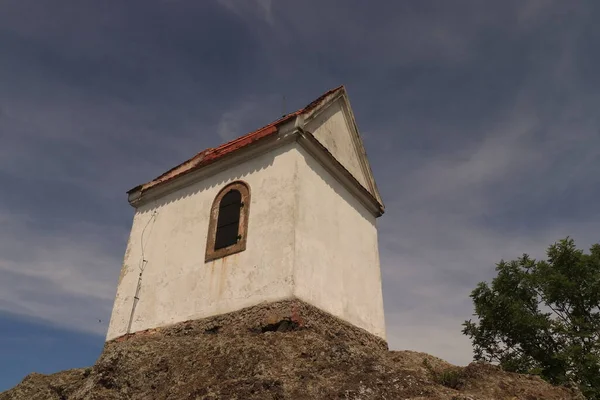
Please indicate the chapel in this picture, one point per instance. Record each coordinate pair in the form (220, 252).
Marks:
(287, 211)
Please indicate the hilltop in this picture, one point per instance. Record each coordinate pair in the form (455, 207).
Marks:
(285, 350)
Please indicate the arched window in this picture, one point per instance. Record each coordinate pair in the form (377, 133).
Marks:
(228, 221)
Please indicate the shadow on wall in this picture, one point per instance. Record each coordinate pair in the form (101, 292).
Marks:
(220, 179)
(337, 187)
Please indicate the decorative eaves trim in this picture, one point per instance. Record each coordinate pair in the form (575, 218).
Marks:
(138, 197)
(320, 153)
(306, 139)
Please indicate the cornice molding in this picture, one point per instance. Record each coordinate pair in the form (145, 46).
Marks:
(289, 133)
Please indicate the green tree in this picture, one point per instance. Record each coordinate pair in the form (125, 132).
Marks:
(543, 317)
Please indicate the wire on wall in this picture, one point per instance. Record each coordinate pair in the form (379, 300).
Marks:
(142, 266)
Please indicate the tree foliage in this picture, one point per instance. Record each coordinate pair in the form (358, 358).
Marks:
(543, 317)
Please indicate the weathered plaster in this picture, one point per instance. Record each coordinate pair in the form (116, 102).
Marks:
(308, 237)
(176, 284)
(336, 262)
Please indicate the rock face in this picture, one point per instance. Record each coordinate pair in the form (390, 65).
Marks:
(286, 350)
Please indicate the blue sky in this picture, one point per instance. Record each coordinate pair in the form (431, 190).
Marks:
(480, 120)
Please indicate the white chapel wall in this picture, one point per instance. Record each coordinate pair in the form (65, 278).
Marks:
(177, 285)
(336, 250)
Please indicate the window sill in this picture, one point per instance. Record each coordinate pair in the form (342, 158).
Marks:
(225, 251)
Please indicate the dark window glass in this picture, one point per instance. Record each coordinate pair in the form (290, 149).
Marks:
(228, 220)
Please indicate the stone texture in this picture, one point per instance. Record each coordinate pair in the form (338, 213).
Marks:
(286, 350)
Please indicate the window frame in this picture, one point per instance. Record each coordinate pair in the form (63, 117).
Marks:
(211, 253)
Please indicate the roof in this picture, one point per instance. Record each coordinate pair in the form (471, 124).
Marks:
(210, 155)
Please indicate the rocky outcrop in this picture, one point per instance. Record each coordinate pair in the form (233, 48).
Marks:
(285, 350)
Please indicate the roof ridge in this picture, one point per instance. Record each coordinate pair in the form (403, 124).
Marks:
(211, 154)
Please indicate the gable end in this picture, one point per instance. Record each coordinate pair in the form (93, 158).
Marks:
(332, 123)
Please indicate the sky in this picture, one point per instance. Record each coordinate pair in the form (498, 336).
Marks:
(480, 121)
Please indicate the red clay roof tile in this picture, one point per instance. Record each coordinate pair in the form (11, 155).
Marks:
(211, 155)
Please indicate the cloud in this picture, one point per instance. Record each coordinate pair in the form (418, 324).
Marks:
(430, 263)
(513, 182)
(515, 188)
(233, 122)
(249, 114)
(482, 134)
(263, 9)
(65, 276)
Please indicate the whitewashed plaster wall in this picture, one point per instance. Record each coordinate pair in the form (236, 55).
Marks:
(177, 285)
(336, 266)
(330, 127)
(308, 237)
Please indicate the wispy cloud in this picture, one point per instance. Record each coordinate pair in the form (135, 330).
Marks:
(481, 118)
(233, 122)
(249, 114)
(514, 188)
(263, 9)
(65, 276)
